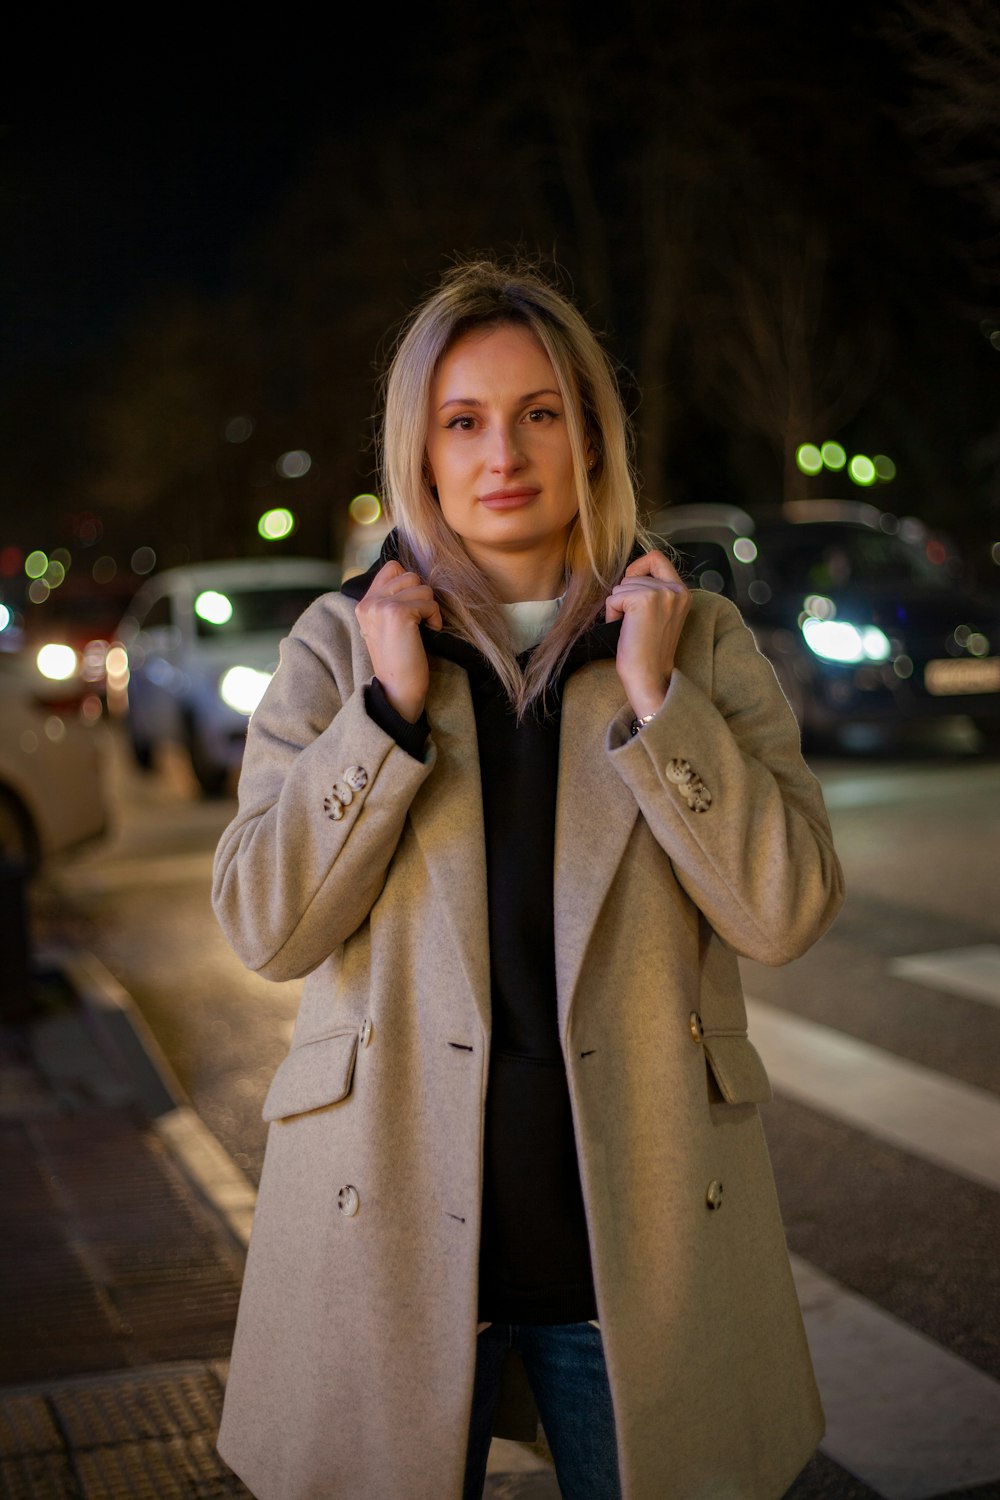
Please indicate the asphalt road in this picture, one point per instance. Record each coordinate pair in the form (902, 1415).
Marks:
(911, 1230)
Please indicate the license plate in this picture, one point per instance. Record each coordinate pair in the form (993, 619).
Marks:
(973, 675)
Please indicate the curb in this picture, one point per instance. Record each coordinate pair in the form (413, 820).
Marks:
(134, 1050)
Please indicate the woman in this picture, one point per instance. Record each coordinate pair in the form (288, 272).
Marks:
(513, 802)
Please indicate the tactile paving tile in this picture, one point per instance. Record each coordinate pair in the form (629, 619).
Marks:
(39, 1476)
(171, 1469)
(136, 1407)
(26, 1426)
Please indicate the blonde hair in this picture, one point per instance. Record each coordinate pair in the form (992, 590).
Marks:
(484, 294)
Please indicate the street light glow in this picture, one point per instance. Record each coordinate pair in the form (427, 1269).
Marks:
(365, 509)
(862, 470)
(275, 524)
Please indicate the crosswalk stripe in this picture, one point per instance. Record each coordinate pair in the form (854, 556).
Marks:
(939, 1119)
(903, 1414)
(973, 972)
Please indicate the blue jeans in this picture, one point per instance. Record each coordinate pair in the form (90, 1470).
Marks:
(569, 1380)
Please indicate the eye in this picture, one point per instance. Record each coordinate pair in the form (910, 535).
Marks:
(460, 424)
(540, 414)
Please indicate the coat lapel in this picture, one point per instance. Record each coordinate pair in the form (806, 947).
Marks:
(447, 819)
(595, 815)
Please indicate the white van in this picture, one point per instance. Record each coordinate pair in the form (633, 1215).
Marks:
(202, 644)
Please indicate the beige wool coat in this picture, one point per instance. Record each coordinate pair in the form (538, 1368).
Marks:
(353, 1361)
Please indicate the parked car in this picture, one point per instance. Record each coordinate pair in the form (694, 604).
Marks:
(202, 644)
(859, 615)
(51, 766)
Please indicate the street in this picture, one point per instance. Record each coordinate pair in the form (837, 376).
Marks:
(883, 1045)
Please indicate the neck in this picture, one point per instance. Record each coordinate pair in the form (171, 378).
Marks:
(518, 576)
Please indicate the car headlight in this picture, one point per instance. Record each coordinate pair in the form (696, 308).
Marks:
(242, 688)
(839, 640)
(56, 661)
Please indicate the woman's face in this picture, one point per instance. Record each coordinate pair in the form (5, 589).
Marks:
(499, 453)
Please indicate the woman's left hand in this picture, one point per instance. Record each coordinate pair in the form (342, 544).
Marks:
(652, 602)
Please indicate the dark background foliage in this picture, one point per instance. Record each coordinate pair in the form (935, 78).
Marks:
(785, 220)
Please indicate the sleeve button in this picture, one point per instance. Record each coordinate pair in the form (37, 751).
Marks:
(348, 1201)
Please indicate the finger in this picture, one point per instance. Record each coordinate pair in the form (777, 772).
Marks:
(390, 570)
(396, 583)
(655, 565)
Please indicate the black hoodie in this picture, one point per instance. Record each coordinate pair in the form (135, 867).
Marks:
(534, 1254)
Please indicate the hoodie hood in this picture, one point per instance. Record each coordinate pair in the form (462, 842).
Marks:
(598, 642)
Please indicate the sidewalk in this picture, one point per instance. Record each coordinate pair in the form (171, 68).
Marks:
(125, 1228)
(118, 1280)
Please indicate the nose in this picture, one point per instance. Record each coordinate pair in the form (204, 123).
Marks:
(506, 457)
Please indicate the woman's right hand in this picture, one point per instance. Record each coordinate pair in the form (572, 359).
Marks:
(390, 616)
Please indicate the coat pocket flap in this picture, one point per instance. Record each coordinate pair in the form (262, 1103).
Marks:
(313, 1075)
(738, 1070)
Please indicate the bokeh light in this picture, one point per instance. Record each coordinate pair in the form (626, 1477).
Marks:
(38, 591)
(745, 548)
(365, 509)
(861, 469)
(35, 563)
(55, 573)
(884, 468)
(104, 569)
(294, 463)
(5, 617)
(143, 560)
(57, 662)
(277, 523)
(213, 607)
(808, 458)
(88, 529)
(238, 429)
(833, 456)
(243, 687)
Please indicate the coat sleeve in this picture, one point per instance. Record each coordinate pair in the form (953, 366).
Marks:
(293, 879)
(755, 854)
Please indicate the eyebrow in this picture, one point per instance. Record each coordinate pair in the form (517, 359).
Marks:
(471, 400)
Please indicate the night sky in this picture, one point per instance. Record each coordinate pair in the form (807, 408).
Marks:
(198, 231)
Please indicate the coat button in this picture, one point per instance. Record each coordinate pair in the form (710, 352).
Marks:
(333, 807)
(365, 1033)
(348, 1201)
(356, 778)
(678, 771)
(713, 1194)
(343, 792)
(696, 795)
(697, 1029)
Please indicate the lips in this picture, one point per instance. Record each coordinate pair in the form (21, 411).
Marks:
(510, 499)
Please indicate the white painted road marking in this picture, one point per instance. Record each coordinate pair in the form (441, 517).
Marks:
(902, 1413)
(973, 972)
(946, 1122)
